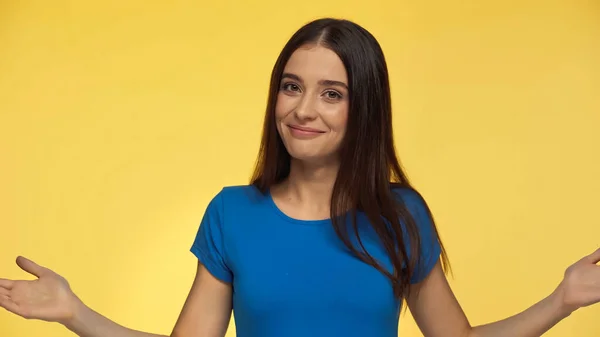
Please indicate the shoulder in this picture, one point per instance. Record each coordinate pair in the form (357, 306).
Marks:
(410, 198)
(239, 194)
(242, 197)
(229, 208)
(414, 203)
(429, 245)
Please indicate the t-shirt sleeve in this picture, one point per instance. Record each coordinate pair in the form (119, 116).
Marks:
(430, 246)
(209, 244)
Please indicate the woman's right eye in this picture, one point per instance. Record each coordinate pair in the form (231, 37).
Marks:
(290, 87)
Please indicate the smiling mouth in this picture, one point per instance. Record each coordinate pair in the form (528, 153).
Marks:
(305, 130)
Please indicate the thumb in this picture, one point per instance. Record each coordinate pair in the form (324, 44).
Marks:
(30, 266)
(593, 258)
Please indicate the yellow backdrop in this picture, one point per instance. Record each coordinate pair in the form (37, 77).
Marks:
(119, 120)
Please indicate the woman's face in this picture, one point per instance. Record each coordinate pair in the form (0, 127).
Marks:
(312, 104)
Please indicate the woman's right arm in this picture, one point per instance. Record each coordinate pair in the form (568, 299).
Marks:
(206, 312)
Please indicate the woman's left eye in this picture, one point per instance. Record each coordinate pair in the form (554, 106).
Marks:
(333, 95)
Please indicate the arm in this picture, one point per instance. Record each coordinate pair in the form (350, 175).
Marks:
(89, 323)
(438, 313)
(206, 312)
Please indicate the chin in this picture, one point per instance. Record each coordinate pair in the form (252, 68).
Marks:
(305, 157)
(311, 157)
(310, 152)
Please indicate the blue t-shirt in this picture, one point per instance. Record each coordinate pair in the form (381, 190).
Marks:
(296, 278)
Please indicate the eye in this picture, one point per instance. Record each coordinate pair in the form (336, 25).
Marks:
(333, 95)
(290, 87)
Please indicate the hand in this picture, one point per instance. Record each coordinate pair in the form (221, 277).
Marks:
(581, 284)
(47, 298)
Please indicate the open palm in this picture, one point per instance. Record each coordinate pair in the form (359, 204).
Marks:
(47, 298)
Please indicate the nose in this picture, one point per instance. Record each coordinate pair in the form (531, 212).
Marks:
(306, 109)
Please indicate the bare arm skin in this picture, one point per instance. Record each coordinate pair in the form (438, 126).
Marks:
(206, 312)
(438, 313)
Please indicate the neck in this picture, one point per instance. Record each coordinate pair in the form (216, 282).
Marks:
(310, 185)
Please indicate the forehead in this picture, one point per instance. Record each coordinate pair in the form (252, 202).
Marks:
(314, 63)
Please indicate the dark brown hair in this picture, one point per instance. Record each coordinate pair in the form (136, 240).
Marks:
(369, 165)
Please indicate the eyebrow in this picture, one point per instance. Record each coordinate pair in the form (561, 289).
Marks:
(321, 82)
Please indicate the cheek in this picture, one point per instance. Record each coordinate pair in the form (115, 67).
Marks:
(339, 120)
(282, 106)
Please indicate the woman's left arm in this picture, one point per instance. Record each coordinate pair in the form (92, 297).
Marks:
(438, 314)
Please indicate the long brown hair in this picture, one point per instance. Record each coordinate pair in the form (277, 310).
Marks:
(368, 161)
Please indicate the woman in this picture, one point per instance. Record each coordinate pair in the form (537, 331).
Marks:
(330, 237)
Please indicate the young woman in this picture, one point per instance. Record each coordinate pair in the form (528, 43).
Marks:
(329, 237)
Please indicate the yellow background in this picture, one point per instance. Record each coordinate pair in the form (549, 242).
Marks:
(119, 120)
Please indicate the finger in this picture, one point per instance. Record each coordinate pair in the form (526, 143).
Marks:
(30, 266)
(594, 258)
(9, 305)
(6, 284)
(4, 292)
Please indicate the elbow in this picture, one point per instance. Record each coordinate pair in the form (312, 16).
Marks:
(470, 332)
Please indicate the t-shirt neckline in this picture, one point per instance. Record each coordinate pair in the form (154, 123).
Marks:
(287, 218)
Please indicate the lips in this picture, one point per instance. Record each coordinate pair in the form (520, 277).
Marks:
(305, 129)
